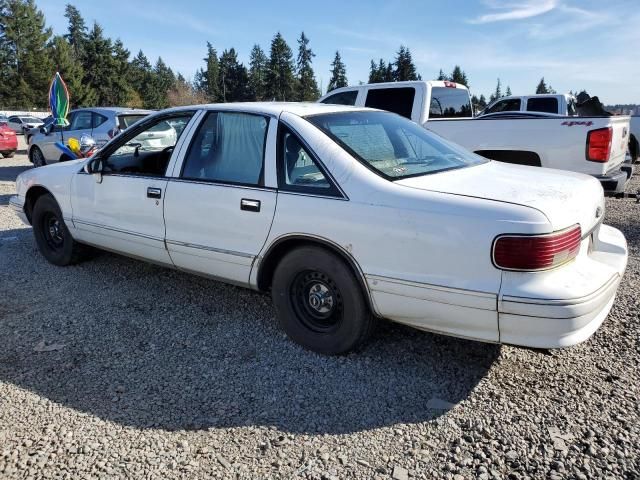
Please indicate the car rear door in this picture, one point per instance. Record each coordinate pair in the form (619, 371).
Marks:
(220, 201)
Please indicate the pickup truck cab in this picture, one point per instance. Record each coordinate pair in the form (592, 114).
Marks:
(563, 104)
(594, 146)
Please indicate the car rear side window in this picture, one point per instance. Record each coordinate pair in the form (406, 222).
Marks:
(98, 120)
(125, 121)
(543, 104)
(449, 102)
(396, 100)
(228, 148)
(342, 98)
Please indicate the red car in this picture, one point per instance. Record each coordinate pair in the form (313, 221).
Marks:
(8, 141)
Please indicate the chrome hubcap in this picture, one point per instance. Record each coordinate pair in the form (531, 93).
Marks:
(320, 298)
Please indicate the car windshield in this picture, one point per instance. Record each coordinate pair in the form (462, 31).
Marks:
(391, 145)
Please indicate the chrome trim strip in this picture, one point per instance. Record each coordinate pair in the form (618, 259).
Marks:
(210, 249)
(118, 230)
(411, 283)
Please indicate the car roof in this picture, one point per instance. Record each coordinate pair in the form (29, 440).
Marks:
(115, 110)
(274, 108)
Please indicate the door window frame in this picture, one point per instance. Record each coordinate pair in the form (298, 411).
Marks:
(130, 133)
(334, 191)
(193, 135)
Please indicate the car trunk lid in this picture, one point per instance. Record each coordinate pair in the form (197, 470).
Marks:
(565, 198)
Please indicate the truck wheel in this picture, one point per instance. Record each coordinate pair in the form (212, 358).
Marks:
(36, 157)
(319, 302)
(52, 235)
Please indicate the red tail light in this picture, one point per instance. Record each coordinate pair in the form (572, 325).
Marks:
(599, 144)
(536, 252)
(449, 84)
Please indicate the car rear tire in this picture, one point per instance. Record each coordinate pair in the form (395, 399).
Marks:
(52, 235)
(36, 157)
(320, 303)
(8, 154)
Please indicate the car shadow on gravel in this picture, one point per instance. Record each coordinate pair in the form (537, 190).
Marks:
(9, 173)
(149, 347)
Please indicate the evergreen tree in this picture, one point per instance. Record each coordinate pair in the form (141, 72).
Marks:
(211, 75)
(374, 75)
(441, 76)
(183, 93)
(121, 90)
(257, 74)
(163, 80)
(482, 102)
(459, 76)
(542, 87)
(404, 69)
(280, 78)
(306, 86)
(338, 74)
(497, 94)
(508, 92)
(233, 78)
(77, 30)
(64, 62)
(25, 66)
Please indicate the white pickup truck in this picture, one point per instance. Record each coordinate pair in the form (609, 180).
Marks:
(595, 146)
(557, 104)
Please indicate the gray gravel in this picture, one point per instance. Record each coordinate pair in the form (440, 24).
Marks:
(115, 368)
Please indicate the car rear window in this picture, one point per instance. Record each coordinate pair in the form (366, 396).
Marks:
(342, 98)
(392, 146)
(125, 121)
(396, 100)
(449, 103)
(543, 104)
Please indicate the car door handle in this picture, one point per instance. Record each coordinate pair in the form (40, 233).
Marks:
(153, 192)
(250, 205)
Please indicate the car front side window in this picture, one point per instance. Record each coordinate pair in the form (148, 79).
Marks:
(228, 148)
(145, 150)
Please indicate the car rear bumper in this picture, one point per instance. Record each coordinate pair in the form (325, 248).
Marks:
(567, 305)
(616, 181)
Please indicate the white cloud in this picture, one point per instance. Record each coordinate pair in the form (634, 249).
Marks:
(504, 11)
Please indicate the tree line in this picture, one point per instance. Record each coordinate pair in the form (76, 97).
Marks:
(102, 71)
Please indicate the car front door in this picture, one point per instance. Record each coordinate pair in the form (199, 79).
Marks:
(121, 207)
(47, 142)
(221, 200)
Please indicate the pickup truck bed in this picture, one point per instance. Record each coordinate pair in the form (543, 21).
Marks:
(545, 141)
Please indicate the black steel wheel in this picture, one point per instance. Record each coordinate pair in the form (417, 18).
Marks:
(320, 302)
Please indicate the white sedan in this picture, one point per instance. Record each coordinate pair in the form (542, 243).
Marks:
(345, 215)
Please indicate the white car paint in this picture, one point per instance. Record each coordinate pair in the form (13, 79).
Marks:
(422, 245)
(559, 142)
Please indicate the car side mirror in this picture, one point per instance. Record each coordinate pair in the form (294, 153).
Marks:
(94, 167)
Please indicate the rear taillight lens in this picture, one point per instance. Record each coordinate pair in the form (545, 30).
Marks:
(599, 144)
(536, 252)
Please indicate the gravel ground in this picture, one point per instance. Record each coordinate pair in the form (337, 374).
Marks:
(146, 372)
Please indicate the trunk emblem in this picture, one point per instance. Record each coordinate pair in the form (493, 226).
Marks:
(598, 212)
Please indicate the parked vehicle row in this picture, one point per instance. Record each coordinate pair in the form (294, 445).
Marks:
(21, 123)
(101, 123)
(595, 146)
(344, 214)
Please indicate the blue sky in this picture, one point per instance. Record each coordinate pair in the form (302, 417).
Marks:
(574, 44)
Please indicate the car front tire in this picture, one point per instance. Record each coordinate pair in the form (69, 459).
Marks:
(52, 235)
(320, 303)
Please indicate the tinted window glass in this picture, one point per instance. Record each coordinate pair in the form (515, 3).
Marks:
(392, 146)
(81, 121)
(98, 119)
(543, 104)
(396, 100)
(229, 147)
(510, 105)
(342, 98)
(449, 103)
(300, 169)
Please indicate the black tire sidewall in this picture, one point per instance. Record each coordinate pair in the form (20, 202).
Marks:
(356, 318)
(64, 256)
(40, 156)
